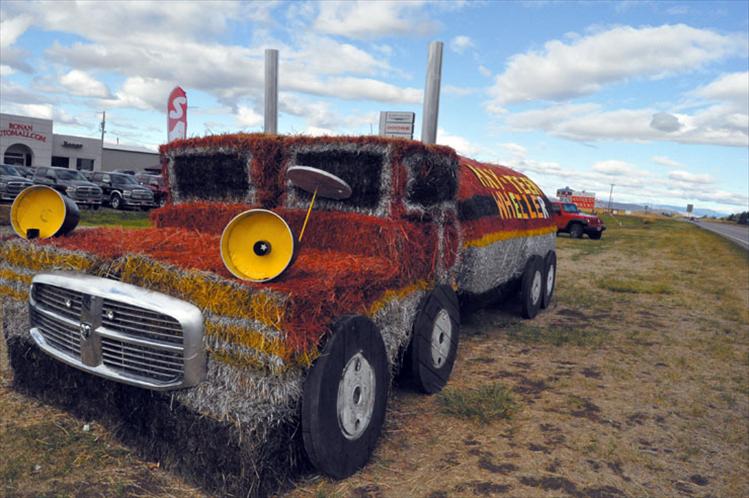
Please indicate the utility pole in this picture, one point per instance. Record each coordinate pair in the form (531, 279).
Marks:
(103, 130)
(103, 126)
(611, 193)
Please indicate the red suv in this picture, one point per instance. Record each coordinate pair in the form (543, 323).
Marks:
(156, 184)
(571, 220)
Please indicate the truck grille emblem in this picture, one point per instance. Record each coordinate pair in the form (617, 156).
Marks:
(68, 303)
(85, 330)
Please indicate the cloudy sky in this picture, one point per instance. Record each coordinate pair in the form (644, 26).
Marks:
(650, 96)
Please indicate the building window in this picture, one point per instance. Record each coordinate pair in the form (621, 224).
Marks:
(18, 155)
(84, 164)
(60, 162)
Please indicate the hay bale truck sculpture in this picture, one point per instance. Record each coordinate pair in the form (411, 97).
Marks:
(213, 374)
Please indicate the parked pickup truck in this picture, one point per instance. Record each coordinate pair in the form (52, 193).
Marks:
(71, 183)
(122, 191)
(236, 383)
(11, 182)
(569, 219)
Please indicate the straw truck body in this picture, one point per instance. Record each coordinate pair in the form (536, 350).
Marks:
(212, 374)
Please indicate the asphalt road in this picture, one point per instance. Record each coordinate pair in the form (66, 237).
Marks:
(738, 234)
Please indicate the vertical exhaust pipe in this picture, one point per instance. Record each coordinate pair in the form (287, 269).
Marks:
(271, 91)
(430, 114)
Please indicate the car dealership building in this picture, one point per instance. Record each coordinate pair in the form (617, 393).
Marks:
(31, 142)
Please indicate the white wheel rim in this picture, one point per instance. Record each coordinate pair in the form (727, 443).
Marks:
(442, 332)
(356, 397)
(550, 281)
(536, 287)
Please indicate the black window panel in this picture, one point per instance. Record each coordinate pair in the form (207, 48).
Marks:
(60, 162)
(84, 164)
(431, 182)
(214, 176)
(361, 170)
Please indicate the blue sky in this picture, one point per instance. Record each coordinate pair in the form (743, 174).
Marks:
(650, 96)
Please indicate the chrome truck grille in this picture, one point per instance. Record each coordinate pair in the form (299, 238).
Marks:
(117, 330)
(14, 188)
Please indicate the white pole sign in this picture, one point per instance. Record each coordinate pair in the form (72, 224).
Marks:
(397, 124)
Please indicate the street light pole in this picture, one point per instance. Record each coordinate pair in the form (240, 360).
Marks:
(611, 193)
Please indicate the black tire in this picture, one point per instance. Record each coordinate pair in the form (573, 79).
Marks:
(550, 270)
(595, 235)
(115, 201)
(531, 287)
(576, 230)
(433, 348)
(334, 450)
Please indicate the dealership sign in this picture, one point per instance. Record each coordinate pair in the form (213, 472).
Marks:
(176, 110)
(22, 130)
(397, 124)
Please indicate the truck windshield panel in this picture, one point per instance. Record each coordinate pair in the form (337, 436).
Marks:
(571, 208)
(69, 175)
(8, 170)
(123, 180)
(361, 170)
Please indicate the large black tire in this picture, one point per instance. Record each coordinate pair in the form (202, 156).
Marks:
(595, 235)
(345, 397)
(576, 230)
(115, 201)
(434, 344)
(550, 278)
(531, 287)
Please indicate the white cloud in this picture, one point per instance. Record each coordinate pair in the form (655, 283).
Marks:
(175, 43)
(715, 125)
(12, 28)
(248, 118)
(142, 93)
(617, 168)
(485, 71)
(84, 85)
(367, 20)
(352, 88)
(460, 44)
(516, 150)
(315, 131)
(6, 70)
(685, 176)
(666, 161)
(733, 88)
(461, 144)
(583, 66)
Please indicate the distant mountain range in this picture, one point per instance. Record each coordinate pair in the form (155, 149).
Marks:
(661, 208)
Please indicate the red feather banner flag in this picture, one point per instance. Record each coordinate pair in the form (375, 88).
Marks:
(176, 110)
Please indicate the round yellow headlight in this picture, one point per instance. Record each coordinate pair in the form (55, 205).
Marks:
(257, 245)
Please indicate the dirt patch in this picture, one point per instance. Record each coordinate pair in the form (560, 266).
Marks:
(483, 488)
(502, 468)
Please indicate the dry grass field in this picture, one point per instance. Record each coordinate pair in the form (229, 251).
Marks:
(635, 383)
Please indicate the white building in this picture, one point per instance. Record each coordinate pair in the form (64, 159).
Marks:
(31, 142)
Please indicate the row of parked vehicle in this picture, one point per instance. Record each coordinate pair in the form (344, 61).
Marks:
(89, 189)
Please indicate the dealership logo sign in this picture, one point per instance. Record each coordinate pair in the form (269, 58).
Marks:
(176, 110)
(22, 130)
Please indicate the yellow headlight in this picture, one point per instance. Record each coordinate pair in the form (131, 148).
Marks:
(257, 245)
